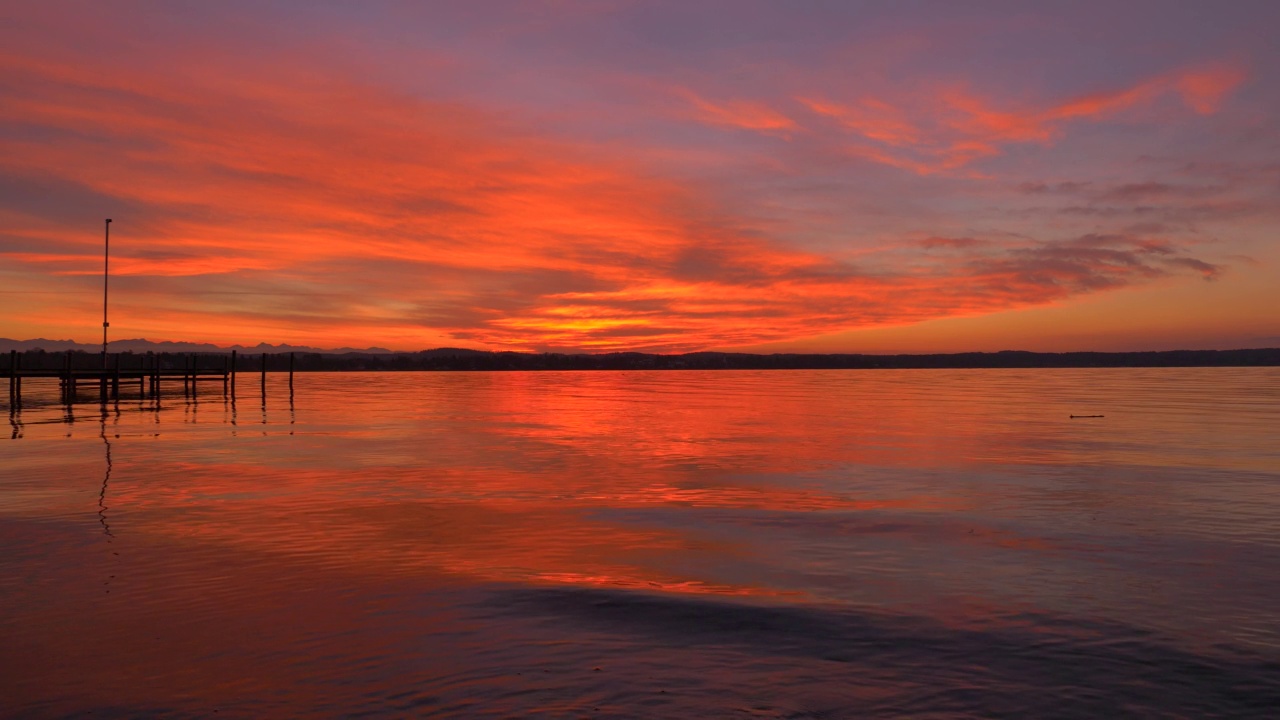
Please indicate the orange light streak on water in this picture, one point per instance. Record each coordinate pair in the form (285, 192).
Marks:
(488, 539)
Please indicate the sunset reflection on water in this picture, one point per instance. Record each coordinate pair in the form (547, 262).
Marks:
(442, 534)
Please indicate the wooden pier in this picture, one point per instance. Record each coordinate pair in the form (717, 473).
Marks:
(82, 376)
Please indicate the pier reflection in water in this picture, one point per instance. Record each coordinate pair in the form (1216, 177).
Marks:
(634, 544)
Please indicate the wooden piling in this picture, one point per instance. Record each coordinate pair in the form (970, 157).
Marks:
(148, 370)
(71, 380)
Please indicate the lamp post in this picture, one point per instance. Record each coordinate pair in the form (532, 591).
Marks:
(106, 255)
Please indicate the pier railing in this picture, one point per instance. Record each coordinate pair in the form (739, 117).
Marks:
(77, 370)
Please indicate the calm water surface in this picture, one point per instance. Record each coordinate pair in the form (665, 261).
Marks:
(650, 544)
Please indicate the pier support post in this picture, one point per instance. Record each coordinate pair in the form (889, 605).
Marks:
(71, 380)
(13, 377)
(115, 381)
(290, 373)
(233, 375)
(264, 375)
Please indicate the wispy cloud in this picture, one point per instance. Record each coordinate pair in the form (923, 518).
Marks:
(951, 129)
(740, 114)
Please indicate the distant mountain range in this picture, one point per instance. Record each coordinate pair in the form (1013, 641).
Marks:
(141, 346)
(311, 359)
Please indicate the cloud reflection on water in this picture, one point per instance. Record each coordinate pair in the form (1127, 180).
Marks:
(383, 510)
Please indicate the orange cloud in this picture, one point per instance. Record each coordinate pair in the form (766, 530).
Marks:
(307, 207)
(1205, 90)
(955, 128)
(871, 118)
(740, 114)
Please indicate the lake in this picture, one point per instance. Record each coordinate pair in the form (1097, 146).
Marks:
(789, 544)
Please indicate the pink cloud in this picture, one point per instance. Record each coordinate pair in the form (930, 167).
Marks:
(741, 114)
(952, 129)
(336, 212)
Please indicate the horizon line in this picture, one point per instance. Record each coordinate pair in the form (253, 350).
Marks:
(285, 347)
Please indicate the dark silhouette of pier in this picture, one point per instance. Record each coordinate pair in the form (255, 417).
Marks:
(81, 376)
(109, 374)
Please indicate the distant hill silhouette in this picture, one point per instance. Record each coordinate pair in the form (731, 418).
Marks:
(307, 358)
(141, 346)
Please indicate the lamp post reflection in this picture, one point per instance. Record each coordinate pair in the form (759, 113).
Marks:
(15, 419)
(106, 477)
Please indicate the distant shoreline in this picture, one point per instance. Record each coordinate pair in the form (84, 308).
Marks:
(446, 359)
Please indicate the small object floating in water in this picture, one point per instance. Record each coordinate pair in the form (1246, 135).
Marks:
(1073, 417)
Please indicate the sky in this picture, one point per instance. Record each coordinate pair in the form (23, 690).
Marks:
(564, 175)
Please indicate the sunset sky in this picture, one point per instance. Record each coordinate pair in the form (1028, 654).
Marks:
(659, 176)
